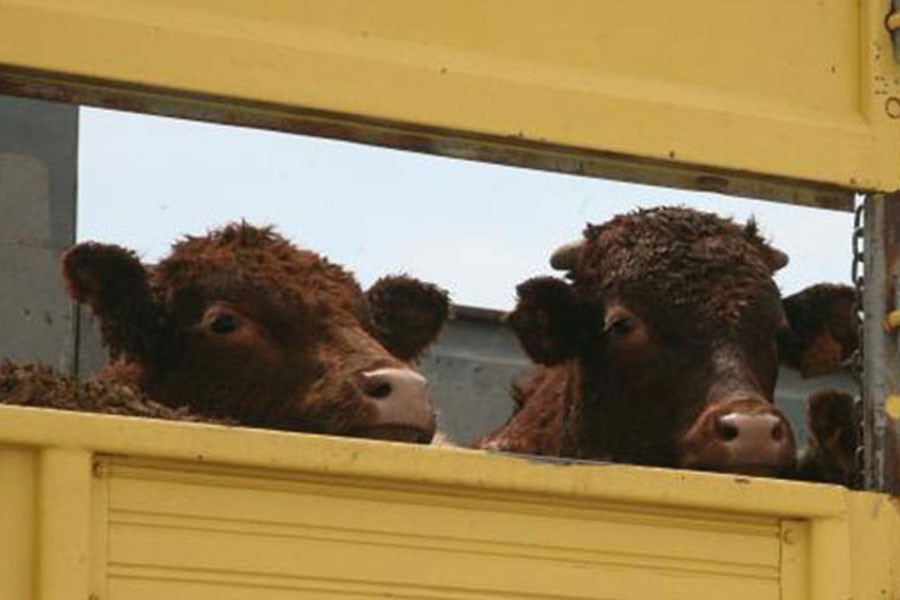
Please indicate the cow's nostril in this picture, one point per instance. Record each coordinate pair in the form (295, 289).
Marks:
(777, 432)
(379, 390)
(400, 405)
(727, 431)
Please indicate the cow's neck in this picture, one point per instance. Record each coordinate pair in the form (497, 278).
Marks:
(619, 428)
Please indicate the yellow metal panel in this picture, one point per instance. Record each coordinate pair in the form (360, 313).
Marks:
(873, 543)
(140, 509)
(795, 559)
(829, 557)
(758, 97)
(18, 522)
(473, 471)
(64, 525)
(212, 529)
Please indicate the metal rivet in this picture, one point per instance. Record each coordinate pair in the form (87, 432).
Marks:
(789, 536)
(100, 469)
(892, 107)
(892, 321)
(892, 407)
(893, 22)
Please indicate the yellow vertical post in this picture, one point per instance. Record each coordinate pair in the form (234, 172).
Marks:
(64, 511)
(829, 558)
(794, 559)
(17, 521)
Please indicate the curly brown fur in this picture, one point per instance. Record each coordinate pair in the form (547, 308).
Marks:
(408, 314)
(548, 320)
(549, 427)
(834, 422)
(242, 324)
(41, 386)
(675, 309)
(112, 281)
(822, 333)
(680, 261)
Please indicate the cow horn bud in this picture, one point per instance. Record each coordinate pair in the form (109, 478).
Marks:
(565, 258)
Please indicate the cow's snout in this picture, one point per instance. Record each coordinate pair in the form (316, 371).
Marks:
(763, 432)
(401, 402)
(749, 437)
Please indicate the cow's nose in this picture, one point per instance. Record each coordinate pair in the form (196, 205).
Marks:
(402, 404)
(758, 431)
(747, 437)
(753, 434)
(756, 443)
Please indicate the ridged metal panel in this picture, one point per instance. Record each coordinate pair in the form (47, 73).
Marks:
(114, 508)
(204, 534)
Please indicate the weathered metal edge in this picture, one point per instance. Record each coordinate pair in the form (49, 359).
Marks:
(511, 151)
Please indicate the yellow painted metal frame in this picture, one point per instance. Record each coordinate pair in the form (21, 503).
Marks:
(798, 101)
(109, 507)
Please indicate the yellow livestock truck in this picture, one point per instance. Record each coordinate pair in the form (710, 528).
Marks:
(794, 101)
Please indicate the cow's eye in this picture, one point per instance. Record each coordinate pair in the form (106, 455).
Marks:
(621, 326)
(223, 324)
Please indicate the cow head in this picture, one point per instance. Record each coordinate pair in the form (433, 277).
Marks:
(672, 317)
(241, 324)
(823, 332)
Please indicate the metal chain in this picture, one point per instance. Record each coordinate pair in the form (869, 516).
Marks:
(857, 365)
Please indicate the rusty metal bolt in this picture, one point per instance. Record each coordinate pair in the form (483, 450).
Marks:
(892, 107)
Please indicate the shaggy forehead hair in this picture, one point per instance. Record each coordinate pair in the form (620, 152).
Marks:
(240, 259)
(675, 259)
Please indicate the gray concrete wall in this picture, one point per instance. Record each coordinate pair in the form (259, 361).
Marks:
(38, 168)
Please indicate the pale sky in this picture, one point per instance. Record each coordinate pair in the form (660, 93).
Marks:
(475, 229)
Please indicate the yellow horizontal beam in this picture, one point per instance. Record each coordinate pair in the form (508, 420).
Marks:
(798, 101)
(118, 507)
(455, 471)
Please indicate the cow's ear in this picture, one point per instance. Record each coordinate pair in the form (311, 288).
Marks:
(821, 330)
(408, 314)
(114, 284)
(548, 320)
(834, 436)
(775, 258)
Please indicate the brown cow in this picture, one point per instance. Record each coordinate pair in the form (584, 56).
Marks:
(823, 331)
(834, 425)
(42, 386)
(241, 324)
(660, 350)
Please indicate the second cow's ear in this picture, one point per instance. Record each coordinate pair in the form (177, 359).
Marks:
(408, 313)
(548, 320)
(834, 420)
(114, 283)
(822, 331)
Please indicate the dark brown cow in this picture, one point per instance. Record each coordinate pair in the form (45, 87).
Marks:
(44, 387)
(834, 426)
(660, 350)
(823, 332)
(240, 324)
